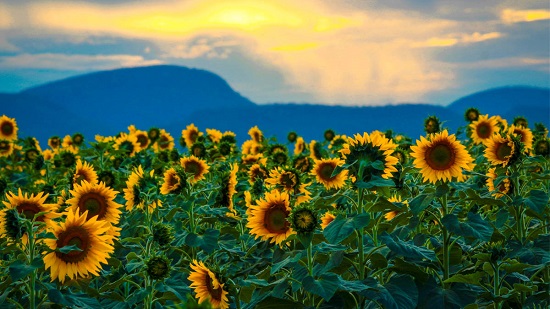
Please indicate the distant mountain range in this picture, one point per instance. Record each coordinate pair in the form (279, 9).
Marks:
(172, 97)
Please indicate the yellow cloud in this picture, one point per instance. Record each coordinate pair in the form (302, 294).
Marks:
(5, 17)
(457, 39)
(511, 16)
(295, 47)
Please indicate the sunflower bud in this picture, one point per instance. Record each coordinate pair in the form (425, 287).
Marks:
(542, 147)
(329, 135)
(153, 134)
(432, 125)
(292, 136)
(78, 139)
(198, 150)
(303, 219)
(520, 121)
(472, 114)
(163, 234)
(158, 267)
(107, 178)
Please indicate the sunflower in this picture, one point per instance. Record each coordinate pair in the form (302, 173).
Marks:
(504, 186)
(302, 163)
(256, 134)
(96, 200)
(337, 143)
(54, 142)
(501, 123)
(472, 114)
(67, 142)
(500, 150)
(326, 219)
(78, 139)
(174, 181)
(191, 134)
(268, 219)
(315, 150)
(364, 150)
(8, 128)
(251, 147)
(392, 214)
(228, 188)
(300, 146)
(288, 180)
(153, 134)
(432, 124)
(90, 236)
(6, 148)
(520, 121)
(525, 135)
(255, 172)
(164, 142)
(542, 147)
(142, 138)
(251, 159)
(207, 286)
(329, 135)
(194, 166)
(104, 139)
(127, 143)
(324, 169)
(132, 192)
(303, 219)
(48, 154)
(214, 135)
(292, 136)
(483, 128)
(84, 172)
(441, 158)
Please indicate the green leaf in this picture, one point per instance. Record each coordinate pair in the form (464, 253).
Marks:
(537, 200)
(524, 288)
(375, 182)
(325, 286)
(400, 292)
(406, 249)
(68, 249)
(277, 303)
(19, 269)
(341, 227)
(421, 202)
(277, 266)
(403, 267)
(207, 242)
(379, 165)
(361, 220)
(352, 286)
(305, 238)
(336, 259)
(475, 227)
(469, 278)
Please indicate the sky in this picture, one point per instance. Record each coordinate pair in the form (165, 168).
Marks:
(346, 52)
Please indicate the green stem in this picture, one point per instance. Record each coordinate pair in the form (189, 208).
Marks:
(360, 245)
(496, 284)
(32, 281)
(310, 258)
(446, 238)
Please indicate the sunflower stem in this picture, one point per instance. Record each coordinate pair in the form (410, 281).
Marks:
(32, 279)
(446, 238)
(360, 245)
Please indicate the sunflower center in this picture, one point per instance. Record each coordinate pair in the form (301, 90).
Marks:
(503, 151)
(197, 152)
(483, 130)
(193, 136)
(7, 128)
(304, 219)
(193, 168)
(275, 219)
(214, 293)
(29, 210)
(520, 133)
(142, 140)
(326, 170)
(77, 236)
(4, 145)
(94, 203)
(440, 156)
(173, 180)
(288, 180)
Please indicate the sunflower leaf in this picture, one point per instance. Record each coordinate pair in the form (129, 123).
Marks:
(407, 249)
(19, 269)
(537, 201)
(420, 202)
(475, 227)
(68, 249)
(339, 229)
(325, 286)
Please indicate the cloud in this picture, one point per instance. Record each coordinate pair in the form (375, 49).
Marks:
(538, 64)
(511, 16)
(452, 40)
(73, 62)
(201, 47)
(6, 19)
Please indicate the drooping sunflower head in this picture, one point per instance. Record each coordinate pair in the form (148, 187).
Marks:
(198, 168)
(174, 155)
(11, 225)
(165, 141)
(128, 144)
(163, 234)
(324, 170)
(369, 155)
(174, 181)
(292, 136)
(191, 134)
(214, 135)
(279, 158)
(315, 150)
(432, 124)
(153, 134)
(521, 122)
(401, 155)
(329, 135)
(326, 219)
(207, 286)
(303, 163)
(54, 142)
(441, 158)
(31, 154)
(158, 267)
(225, 148)
(503, 187)
(78, 139)
(198, 150)
(542, 147)
(134, 186)
(95, 200)
(483, 128)
(501, 150)
(8, 128)
(84, 172)
(268, 219)
(303, 219)
(256, 134)
(92, 239)
(525, 136)
(472, 114)
(540, 131)
(6, 148)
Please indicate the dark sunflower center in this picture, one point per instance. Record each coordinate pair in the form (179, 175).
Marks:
(173, 180)
(503, 151)
(142, 140)
(29, 210)
(94, 203)
(80, 176)
(472, 116)
(304, 219)
(483, 130)
(214, 293)
(4, 146)
(77, 236)
(520, 133)
(288, 180)
(7, 128)
(325, 171)
(197, 152)
(54, 143)
(440, 156)
(275, 219)
(193, 136)
(193, 168)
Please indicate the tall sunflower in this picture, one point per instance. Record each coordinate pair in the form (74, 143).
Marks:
(483, 128)
(191, 134)
(90, 236)
(324, 169)
(288, 180)
(256, 134)
(441, 157)
(500, 150)
(27, 206)
(128, 143)
(54, 142)
(95, 200)
(8, 128)
(268, 219)
(207, 286)
(194, 166)
(525, 135)
(362, 151)
(84, 172)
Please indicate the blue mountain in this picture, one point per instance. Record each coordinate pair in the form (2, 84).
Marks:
(172, 97)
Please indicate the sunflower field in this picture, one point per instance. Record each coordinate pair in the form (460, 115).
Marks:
(373, 220)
